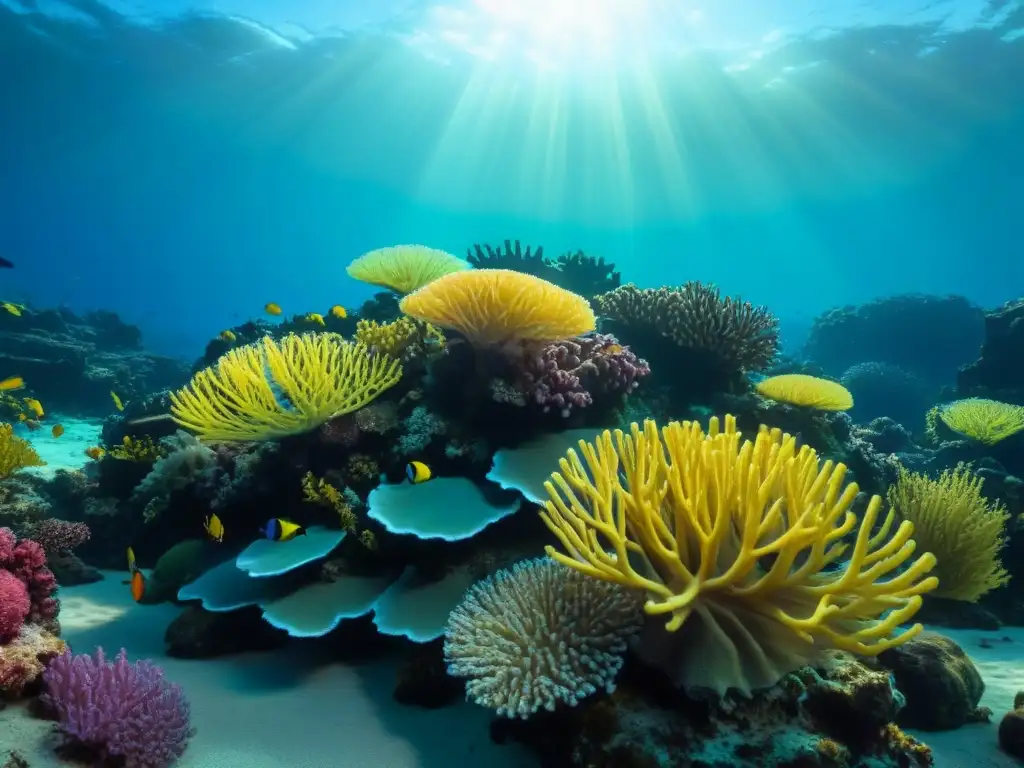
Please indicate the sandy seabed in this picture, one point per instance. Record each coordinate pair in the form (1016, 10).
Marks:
(285, 709)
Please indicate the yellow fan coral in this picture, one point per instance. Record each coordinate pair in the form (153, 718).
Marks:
(958, 525)
(272, 389)
(809, 391)
(739, 544)
(15, 452)
(404, 268)
(987, 421)
(493, 306)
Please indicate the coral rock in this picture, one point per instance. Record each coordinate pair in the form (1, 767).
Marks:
(941, 684)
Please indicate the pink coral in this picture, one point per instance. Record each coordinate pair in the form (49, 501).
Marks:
(59, 536)
(26, 560)
(14, 606)
(568, 374)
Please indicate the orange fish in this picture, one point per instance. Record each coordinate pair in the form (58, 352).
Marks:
(58, 430)
(12, 382)
(138, 583)
(95, 452)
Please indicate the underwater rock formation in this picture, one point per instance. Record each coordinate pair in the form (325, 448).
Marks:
(885, 390)
(930, 336)
(999, 370)
(72, 363)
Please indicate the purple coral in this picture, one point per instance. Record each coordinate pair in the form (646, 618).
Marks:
(567, 374)
(60, 536)
(121, 710)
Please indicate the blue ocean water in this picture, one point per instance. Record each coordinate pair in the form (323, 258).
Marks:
(182, 163)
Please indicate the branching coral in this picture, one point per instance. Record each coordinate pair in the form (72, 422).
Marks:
(405, 338)
(737, 334)
(496, 306)
(404, 268)
(277, 388)
(735, 543)
(15, 453)
(141, 449)
(59, 536)
(539, 635)
(26, 560)
(567, 374)
(120, 710)
(574, 271)
(955, 522)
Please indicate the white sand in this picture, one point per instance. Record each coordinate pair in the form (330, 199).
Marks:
(269, 710)
(66, 451)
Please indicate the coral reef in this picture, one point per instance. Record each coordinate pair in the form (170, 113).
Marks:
(575, 271)
(72, 363)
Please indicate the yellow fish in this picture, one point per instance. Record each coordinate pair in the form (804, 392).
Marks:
(34, 405)
(272, 309)
(227, 335)
(132, 567)
(13, 382)
(58, 430)
(14, 309)
(339, 312)
(95, 452)
(417, 472)
(613, 349)
(277, 529)
(313, 317)
(214, 527)
(117, 401)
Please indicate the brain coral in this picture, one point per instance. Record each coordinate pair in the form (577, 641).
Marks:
(539, 635)
(494, 306)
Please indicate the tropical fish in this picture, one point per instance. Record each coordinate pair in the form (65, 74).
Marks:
(5, 263)
(58, 430)
(418, 472)
(339, 312)
(214, 527)
(34, 405)
(313, 317)
(613, 349)
(138, 582)
(14, 309)
(227, 335)
(117, 401)
(95, 452)
(13, 382)
(272, 309)
(132, 567)
(22, 417)
(277, 529)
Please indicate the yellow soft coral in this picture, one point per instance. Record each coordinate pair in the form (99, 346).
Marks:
(15, 453)
(987, 421)
(955, 522)
(808, 391)
(272, 389)
(739, 544)
(404, 338)
(318, 491)
(404, 268)
(493, 306)
(141, 449)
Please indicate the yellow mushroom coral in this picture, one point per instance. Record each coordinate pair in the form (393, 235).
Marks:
(740, 545)
(494, 306)
(807, 391)
(404, 268)
(273, 388)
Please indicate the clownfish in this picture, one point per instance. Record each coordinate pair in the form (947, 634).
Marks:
(277, 529)
(418, 472)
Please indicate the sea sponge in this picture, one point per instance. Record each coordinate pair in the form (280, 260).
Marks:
(15, 453)
(809, 391)
(23, 660)
(404, 268)
(987, 421)
(734, 543)
(539, 635)
(495, 306)
(955, 522)
(271, 389)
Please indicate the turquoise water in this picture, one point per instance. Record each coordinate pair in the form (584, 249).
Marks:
(185, 163)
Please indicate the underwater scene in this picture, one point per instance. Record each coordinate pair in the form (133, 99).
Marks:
(516, 383)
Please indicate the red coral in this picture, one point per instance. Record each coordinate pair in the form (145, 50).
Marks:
(27, 561)
(14, 606)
